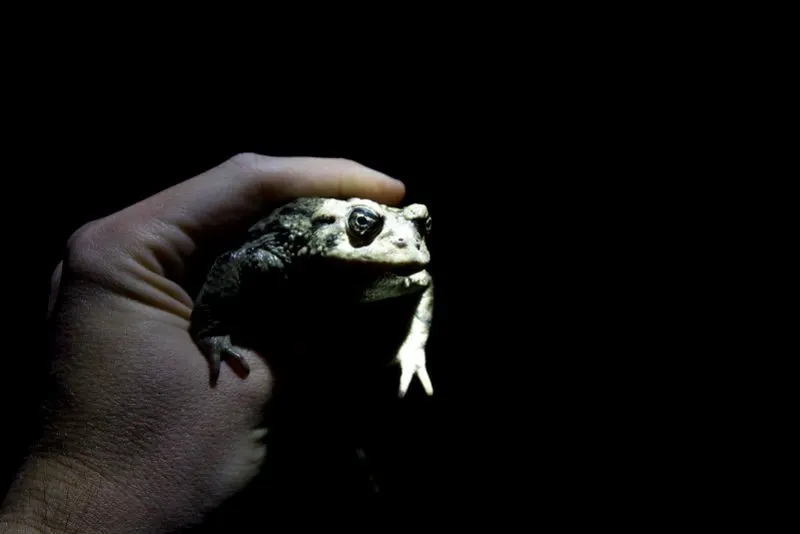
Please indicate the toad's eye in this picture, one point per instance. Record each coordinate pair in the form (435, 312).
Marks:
(363, 224)
(423, 226)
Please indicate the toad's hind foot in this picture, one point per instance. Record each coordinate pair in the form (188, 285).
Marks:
(219, 348)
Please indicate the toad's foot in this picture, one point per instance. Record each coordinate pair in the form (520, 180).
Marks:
(412, 362)
(218, 348)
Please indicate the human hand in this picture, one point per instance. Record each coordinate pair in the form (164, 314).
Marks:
(136, 439)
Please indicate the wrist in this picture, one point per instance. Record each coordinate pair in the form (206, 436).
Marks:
(53, 495)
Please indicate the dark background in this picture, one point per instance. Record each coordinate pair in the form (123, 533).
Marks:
(570, 163)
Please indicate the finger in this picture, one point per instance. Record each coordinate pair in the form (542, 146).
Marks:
(245, 187)
(165, 230)
(55, 284)
(405, 381)
(425, 379)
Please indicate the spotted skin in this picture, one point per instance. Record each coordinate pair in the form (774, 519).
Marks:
(352, 250)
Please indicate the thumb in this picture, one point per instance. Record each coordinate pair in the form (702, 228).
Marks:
(163, 232)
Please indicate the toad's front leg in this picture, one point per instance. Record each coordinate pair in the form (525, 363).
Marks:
(411, 355)
(217, 307)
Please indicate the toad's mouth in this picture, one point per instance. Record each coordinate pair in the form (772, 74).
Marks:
(402, 270)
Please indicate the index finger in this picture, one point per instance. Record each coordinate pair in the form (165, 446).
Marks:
(247, 185)
(233, 194)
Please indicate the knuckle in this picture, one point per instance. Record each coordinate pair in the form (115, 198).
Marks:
(347, 162)
(84, 238)
(88, 246)
(248, 161)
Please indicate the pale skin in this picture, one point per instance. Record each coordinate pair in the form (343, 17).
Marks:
(413, 364)
(411, 356)
(131, 451)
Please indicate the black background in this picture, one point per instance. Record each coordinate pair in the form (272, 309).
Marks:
(572, 162)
